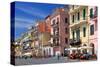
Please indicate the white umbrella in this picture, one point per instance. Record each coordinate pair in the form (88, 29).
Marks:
(72, 48)
(85, 47)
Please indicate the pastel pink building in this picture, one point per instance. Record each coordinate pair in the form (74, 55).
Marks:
(59, 30)
(93, 25)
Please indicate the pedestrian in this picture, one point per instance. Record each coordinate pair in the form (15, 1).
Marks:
(58, 56)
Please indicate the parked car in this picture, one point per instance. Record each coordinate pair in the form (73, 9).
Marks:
(85, 56)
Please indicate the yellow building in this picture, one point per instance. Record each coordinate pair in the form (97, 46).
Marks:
(79, 29)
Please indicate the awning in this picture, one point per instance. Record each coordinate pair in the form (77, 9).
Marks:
(72, 48)
(85, 47)
(75, 48)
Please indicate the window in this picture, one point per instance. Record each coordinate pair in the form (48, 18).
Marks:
(84, 14)
(96, 11)
(78, 34)
(91, 13)
(66, 30)
(91, 29)
(84, 31)
(96, 26)
(57, 41)
(54, 31)
(78, 16)
(53, 40)
(73, 33)
(53, 22)
(73, 7)
(66, 40)
(73, 18)
(66, 20)
(57, 19)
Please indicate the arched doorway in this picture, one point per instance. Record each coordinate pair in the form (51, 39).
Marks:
(93, 48)
(84, 51)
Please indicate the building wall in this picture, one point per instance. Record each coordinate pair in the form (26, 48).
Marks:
(93, 39)
(44, 39)
(79, 24)
(43, 29)
(41, 26)
(59, 16)
(62, 27)
(48, 24)
(42, 35)
(89, 39)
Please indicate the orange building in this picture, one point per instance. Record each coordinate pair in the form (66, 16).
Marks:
(44, 36)
(44, 26)
(41, 26)
(48, 24)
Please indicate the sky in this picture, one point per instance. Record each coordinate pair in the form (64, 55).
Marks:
(27, 13)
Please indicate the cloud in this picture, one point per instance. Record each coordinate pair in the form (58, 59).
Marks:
(23, 23)
(36, 12)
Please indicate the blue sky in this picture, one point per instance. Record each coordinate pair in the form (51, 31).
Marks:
(26, 14)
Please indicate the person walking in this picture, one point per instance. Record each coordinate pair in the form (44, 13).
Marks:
(58, 56)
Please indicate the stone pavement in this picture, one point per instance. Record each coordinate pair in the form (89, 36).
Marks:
(30, 61)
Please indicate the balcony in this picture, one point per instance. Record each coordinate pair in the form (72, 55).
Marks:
(80, 22)
(75, 43)
(56, 43)
(77, 8)
(55, 33)
(55, 25)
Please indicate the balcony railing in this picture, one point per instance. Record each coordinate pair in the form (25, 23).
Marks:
(55, 24)
(55, 44)
(75, 43)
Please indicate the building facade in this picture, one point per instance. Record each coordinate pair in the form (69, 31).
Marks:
(41, 37)
(79, 28)
(59, 30)
(93, 25)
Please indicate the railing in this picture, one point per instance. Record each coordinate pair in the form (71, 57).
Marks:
(55, 24)
(75, 42)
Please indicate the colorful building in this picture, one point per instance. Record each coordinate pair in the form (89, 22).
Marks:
(59, 30)
(41, 37)
(79, 27)
(93, 25)
(72, 28)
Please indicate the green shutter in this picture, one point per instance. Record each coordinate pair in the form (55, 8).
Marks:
(91, 13)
